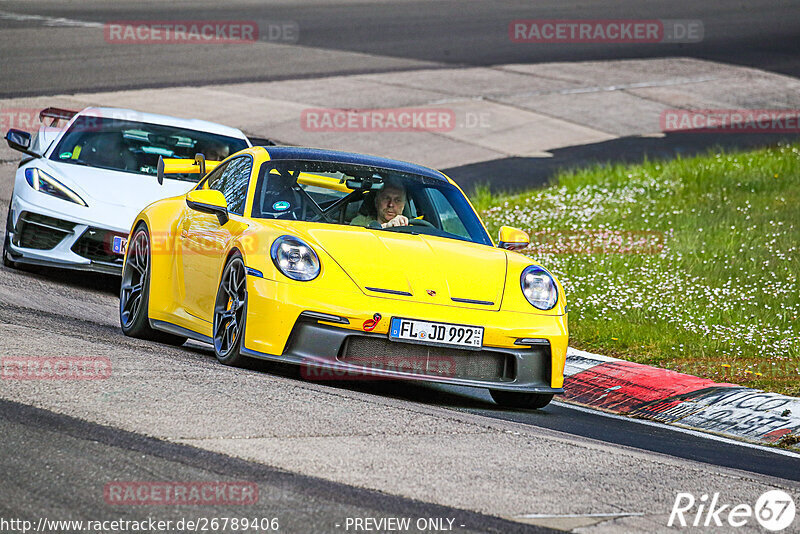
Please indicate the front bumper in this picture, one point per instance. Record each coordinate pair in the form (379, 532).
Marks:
(319, 350)
(279, 327)
(39, 236)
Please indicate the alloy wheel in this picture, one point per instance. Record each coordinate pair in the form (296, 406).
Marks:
(229, 309)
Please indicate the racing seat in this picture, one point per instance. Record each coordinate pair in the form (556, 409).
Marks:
(107, 149)
(279, 199)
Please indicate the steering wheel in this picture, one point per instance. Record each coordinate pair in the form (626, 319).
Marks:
(419, 222)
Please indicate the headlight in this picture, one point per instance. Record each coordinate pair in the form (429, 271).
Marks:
(539, 287)
(44, 183)
(294, 258)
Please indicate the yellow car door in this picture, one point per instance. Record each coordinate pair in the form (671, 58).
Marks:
(205, 236)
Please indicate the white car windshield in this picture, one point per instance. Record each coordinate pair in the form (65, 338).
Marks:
(130, 146)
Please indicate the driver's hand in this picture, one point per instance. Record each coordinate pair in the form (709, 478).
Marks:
(400, 220)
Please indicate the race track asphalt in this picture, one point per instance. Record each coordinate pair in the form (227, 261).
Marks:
(37, 444)
(57, 454)
(46, 56)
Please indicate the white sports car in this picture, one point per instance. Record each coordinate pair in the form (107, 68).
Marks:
(80, 185)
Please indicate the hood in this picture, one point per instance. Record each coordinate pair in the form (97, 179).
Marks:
(411, 267)
(123, 192)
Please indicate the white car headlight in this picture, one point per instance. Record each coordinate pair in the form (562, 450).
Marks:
(44, 183)
(539, 287)
(294, 258)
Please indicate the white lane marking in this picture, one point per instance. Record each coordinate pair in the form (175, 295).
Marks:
(682, 430)
(549, 516)
(579, 361)
(50, 21)
(590, 355)
(497, 97)
(637, 85)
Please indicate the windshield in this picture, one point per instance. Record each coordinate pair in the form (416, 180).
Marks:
(129, 146)
(357, 195)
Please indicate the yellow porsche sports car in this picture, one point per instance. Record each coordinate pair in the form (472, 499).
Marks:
(348, 265)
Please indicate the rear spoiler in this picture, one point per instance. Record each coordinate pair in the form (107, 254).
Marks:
(185, 166)
(200, 165)
(57, 114)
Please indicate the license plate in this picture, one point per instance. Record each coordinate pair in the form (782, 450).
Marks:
(119, 244)
(456, 335)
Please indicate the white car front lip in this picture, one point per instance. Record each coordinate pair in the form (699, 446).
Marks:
(61, 255)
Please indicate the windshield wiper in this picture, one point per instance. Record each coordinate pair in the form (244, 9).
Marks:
(401, 229)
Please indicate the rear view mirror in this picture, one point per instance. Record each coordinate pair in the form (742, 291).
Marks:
(21, 141)
(363, 184)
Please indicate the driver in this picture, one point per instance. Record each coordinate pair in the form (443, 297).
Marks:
(389, 205)
(217, 151)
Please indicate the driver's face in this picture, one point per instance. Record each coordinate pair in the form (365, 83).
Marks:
(389, 203)
(217, 153)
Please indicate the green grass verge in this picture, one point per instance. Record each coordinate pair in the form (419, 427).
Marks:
(690, 264)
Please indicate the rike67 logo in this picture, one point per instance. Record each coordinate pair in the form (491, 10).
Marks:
(774, 511)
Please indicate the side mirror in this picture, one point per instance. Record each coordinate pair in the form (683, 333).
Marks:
(209, 201)
(513, 239)
(21, 140)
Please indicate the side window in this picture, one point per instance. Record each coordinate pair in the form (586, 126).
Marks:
(232, 181)
(447, 215)
(213, 177)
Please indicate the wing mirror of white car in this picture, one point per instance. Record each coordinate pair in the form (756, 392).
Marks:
(21, 141)
(209, 201)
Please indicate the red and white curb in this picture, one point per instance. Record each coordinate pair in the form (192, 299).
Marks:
(646, 392)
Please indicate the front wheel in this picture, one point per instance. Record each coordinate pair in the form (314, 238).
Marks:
(134, 292)
(230, 311)
(512, 399)
(7, 261)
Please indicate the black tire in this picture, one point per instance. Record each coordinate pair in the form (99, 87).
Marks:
(7, 261)
(134, 293)
(512, 399)
(230, 312)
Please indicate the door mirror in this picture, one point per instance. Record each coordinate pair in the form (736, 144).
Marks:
(209, 201)
(21, 140)
(513, 239)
